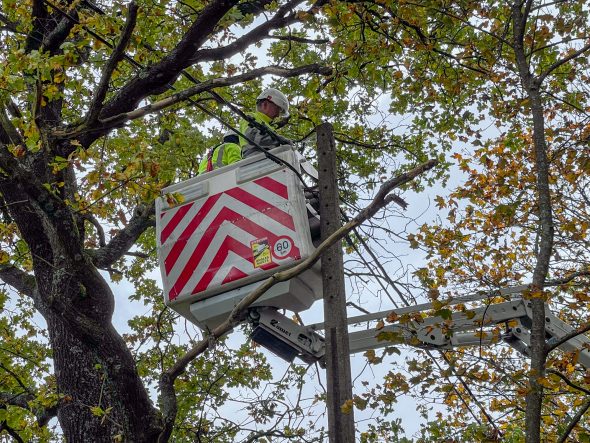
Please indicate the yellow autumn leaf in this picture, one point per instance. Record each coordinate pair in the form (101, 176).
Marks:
(346, 408)
(4, 257)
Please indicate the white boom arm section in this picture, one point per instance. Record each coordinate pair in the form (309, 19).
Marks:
(470, 328)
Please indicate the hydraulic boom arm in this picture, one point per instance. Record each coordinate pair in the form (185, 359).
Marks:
(469, 328)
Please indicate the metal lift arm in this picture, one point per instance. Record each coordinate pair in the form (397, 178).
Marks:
(470, 328)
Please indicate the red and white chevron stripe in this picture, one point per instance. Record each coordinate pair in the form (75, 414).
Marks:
(206, 243)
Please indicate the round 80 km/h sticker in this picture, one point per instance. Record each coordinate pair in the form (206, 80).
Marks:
(282, 247)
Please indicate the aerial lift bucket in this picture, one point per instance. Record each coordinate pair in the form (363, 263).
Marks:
(219, 235)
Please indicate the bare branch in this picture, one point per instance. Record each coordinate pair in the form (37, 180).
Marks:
(117, 55)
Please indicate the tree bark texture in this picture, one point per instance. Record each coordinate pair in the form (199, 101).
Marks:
(99, 377)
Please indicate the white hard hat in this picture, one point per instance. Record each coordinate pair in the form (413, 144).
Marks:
(277, 97)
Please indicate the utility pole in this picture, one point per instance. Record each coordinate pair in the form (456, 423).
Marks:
(338, 378)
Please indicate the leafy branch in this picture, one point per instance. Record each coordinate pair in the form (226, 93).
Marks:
(117, 120)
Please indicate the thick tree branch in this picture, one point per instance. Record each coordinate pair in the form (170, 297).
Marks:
(120, 244)
(153, 79)
(117, 55)
(19, 280)
(39, 15)
(21, 400)
(43, 415)
(278, 21)
(58, 35)
(381, 199)
(33, 207)
(103, 125)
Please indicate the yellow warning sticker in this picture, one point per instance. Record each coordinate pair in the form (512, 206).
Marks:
(260, 252)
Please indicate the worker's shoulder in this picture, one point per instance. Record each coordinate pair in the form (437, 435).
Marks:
(258, 116)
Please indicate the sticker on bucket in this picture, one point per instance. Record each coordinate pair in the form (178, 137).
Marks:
(260, 252)
(282, 247)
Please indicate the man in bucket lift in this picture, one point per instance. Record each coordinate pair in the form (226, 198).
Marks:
(224, 154)
(270, 104)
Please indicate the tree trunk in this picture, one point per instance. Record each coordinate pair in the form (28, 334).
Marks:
(546, 230)
(531, 86)
(95, 372)
(104, 395)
